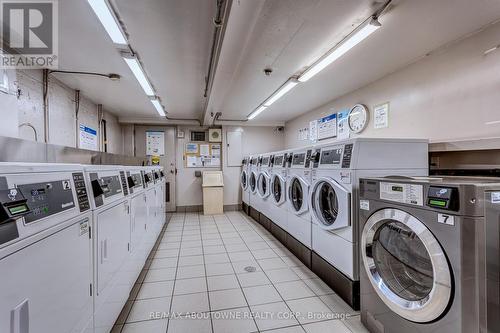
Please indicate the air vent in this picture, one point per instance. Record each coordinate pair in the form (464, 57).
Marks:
(198, 136)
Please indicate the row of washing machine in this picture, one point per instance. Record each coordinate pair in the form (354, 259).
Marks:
(73, 241)
(308, 198)
(409, 251)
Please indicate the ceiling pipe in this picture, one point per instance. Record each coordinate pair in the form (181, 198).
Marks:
(77, 111)
(111, 76)
(45, 94)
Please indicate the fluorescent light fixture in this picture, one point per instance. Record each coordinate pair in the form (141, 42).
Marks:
(280, 92)
(108, 20)
(257, 112)
(158, 107)
(494, 122)
(341, 49)
(136, 68)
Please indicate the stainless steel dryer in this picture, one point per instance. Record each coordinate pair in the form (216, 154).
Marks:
(423, 253)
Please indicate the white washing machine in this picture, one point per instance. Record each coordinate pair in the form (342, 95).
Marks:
(45, 249)
(151, 206)
(264, 189)
(254, 196)
(334, 202)
(298, 184)
(138, 218)
(277, 207)
(244, 183)
(111, 247)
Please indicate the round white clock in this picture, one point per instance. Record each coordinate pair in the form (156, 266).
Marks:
(358, 118)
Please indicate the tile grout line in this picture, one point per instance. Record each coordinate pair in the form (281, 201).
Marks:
(206, 277)
(235, 274)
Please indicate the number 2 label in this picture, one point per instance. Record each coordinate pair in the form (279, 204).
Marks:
(66, 185)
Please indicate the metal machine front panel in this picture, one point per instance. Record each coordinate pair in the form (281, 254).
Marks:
(299, 159)
(492, 274)
(47, 198)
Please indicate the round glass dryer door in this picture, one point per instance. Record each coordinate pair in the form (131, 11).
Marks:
(406, 265)
(244, 180)
(263, 185)
(253, 182)
(297, 195)
(330, 204)
(278, 189)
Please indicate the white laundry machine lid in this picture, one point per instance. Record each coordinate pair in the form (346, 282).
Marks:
(298, 195)
(399, 250)
(330, 204)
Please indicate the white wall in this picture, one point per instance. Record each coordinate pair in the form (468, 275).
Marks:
(255, 140)
(62, 129)
(448, 95)
(8, 105)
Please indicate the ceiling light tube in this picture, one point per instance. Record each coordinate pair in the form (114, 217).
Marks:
(258, 111)
(159, 108)
(136, 68)
(342, 48)
(108, 20)
(281, 92)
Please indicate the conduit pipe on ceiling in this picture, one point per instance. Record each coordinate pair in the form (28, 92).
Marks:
(100, 116)
(45, 94)
(77, 111)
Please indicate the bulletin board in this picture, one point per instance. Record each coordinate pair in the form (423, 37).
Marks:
(202, 155)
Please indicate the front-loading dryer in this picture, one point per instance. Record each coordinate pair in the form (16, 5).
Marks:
(298, 216)
(45, 249)
(253, 195)
(423, 253)
(244, 183)
(113, 280)
(333, 200)
(264, 190)
(277, 208)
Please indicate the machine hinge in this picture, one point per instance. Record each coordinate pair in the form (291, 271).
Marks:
(91, 289)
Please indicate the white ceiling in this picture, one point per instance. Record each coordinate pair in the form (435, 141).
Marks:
(173, 39)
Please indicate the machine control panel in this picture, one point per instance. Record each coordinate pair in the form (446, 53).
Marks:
(315, 158)
(279, 161)
(265, 161)
(443, 198)
(299, 159)
(81, 192)
(346, 160)
(104, 187)
(148, 178)
(124, 183)
(288, 160)
(331, 156)
(46, 199)
(134, 181)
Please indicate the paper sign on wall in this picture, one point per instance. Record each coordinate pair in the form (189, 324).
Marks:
(343, 131)
(88, 138)
(204, 150)
(155, 143)
(192, 148)
(327, 127)
(313, 131)
(303, 134)
(381, 115)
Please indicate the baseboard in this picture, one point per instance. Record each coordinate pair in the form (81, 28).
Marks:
(299, 250)
(279, 233)
(199, 208)
(347, 289)
(254, 213)
(265, 221)
(244, 207)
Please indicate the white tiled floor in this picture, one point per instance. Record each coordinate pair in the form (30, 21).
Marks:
(197, 281)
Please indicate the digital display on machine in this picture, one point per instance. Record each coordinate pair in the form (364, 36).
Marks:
(397, 188)
(265, 161)
(18, 209)
(438, 203)
(332, 156)
(278, 160)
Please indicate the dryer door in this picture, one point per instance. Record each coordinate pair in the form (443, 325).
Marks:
(263, 184)
(278, 189)
(406, 265)
(244, 180)
(298, 190)
(253, 182)
(330, 204)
